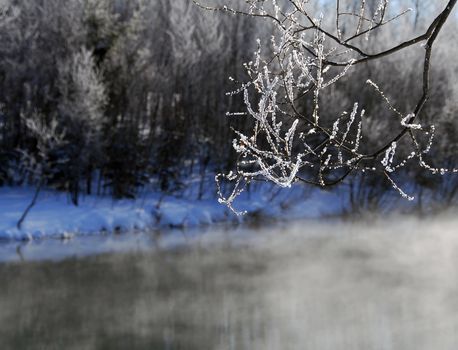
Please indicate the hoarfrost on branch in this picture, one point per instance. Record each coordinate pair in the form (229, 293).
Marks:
(304, 58)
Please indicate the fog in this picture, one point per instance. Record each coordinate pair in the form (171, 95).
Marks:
(376, 284)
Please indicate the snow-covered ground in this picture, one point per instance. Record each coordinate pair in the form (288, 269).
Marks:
(55, 216)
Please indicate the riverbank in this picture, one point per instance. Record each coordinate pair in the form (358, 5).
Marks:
(55, 216)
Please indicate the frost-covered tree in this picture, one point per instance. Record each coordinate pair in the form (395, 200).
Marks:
(81, 108)
(41, 165)
(289, 143)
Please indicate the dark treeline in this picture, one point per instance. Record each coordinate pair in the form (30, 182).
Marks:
(109, 96)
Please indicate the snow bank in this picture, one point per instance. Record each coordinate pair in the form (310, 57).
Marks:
(55, 216)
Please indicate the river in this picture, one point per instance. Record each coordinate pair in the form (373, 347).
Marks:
(375, 284)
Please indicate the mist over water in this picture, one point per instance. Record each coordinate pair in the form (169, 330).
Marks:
(383, 284)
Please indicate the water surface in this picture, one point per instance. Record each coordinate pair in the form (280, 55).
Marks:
(390, 284)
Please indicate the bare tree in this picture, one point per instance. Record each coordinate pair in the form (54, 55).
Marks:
(290, 141)
(40, 166)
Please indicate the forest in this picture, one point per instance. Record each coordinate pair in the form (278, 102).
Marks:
(114, 97)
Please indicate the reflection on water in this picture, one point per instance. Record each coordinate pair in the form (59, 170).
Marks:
(365, 286)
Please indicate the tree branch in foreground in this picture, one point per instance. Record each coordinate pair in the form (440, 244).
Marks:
(304, 59)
